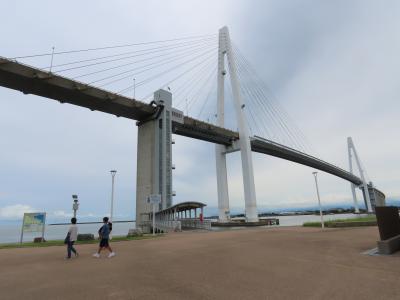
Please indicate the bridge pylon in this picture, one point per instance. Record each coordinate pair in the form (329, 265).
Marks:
(225, 50)
(352, 149)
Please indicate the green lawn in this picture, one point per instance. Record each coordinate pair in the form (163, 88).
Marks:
(327, 223)
(61, 242)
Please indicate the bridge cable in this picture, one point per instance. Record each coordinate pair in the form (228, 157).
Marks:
(251, 97)
(171, 69)
(188, 83)
(107, 61)
(149, 79)
(148, 67)
(197, 84)
(139, 61)
(194, 73)
(212, 89)
(278, 110)
(195, 97)
(110, 47)
(144, 51)
(276, 116)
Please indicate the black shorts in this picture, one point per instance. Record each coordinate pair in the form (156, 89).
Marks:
(103, 243)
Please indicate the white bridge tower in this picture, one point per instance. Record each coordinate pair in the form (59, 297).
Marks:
(351, 147)
(243, 144)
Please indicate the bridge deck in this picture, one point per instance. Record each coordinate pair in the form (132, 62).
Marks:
(264, 146)
(30, 80)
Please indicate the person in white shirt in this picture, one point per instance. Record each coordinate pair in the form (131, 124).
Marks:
(72, 236)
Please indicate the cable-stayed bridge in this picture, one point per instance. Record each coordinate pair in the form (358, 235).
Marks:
(180, 71)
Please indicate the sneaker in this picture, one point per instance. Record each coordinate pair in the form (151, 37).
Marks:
(96, 255)
(77, 254)
(112, 254)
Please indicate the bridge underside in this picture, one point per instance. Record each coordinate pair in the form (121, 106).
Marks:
(274, 149)
(30, 80)
(33, 81)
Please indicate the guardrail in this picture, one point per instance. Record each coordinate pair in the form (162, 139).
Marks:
(168, 225)
(196, 224)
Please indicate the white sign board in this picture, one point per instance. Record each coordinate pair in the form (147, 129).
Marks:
(154, 199)
(33, 222)
(177, 116)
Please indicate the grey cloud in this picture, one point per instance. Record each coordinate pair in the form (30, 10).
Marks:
(332, 64)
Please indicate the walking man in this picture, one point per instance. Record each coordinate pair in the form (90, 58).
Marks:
(104, 234)
(72, 236)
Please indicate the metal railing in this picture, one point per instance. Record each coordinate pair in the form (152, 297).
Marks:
(168, 225)
(196, 224)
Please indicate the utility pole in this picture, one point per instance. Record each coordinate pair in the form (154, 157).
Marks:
(319, 200)
(113, 172)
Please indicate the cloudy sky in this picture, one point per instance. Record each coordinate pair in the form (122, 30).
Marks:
(333, 65)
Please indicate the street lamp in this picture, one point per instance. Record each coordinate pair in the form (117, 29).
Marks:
(319, 200)
(75, 205)
(113, 172)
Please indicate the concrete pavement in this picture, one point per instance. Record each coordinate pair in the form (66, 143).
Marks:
(261, 263)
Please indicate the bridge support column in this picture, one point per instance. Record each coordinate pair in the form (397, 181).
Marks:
(225, 48)
(220, 155)
(353, 187)
(154, 159)
(364, 182)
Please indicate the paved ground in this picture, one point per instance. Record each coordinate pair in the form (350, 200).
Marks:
(281, 263)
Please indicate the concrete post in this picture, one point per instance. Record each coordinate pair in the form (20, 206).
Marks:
(154, 157)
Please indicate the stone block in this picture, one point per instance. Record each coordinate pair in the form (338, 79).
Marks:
(39, 240)
(388, 221)
(389, 246)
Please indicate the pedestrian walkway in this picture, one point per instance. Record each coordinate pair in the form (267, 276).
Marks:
(257, 263)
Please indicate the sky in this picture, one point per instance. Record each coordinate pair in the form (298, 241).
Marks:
(332, 65)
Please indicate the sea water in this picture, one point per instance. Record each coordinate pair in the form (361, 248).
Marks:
(11, 232)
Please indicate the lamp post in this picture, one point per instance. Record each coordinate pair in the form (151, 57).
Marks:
(113, 172)
(75, 204)
(319, 200)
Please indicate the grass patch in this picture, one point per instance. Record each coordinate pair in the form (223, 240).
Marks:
(350, 220)
(312, 224)
(51, 243)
